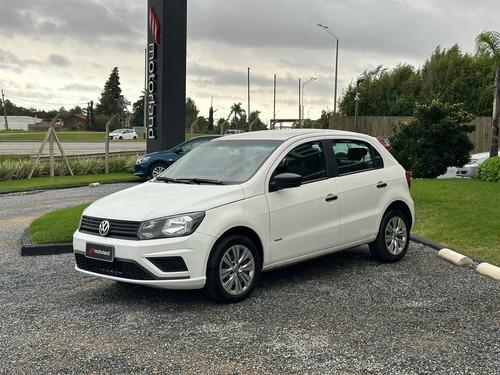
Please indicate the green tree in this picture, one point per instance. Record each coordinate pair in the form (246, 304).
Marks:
(110, 102)
(76, 110)
(137, 118)
(191, 113)
(434, 140)
(488, 43)
(211, 118)
(453, 77)
(237, 112)
(383, 92)
(255, 121)
(90, 121)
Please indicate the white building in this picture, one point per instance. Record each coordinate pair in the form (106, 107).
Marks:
(19, 122)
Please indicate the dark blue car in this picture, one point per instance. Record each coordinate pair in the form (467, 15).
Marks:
(151, 165)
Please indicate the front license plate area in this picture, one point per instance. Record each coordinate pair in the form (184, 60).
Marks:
(100, 252)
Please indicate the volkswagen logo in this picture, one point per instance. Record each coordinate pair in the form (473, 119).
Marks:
(104, 228)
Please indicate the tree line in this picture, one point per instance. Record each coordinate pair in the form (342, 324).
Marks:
(449, 76)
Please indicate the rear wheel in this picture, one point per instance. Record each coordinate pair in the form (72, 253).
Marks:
(233, 269)
(393, 237)
(156, 169)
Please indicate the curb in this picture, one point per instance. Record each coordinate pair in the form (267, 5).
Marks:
(28, 249)
(458, 259)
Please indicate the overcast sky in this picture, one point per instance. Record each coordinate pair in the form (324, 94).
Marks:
(57, 53)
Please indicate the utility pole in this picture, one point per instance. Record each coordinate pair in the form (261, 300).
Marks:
(6, 126)
(248, 114)
(274, 107)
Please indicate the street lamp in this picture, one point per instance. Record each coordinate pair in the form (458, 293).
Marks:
(302, 105)
(356, 104)
(326, 28)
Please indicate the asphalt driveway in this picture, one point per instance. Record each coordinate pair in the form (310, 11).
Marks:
(342, 314)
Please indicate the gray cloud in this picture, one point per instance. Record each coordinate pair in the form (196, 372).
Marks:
(59, 60)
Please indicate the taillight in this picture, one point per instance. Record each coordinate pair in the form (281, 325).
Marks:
(408, 179)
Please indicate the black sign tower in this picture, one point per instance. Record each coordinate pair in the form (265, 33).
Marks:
(166, 73)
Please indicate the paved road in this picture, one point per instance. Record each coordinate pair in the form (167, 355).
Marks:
(32, 148)
(342, 314)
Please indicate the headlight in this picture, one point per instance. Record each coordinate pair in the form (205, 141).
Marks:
(473, 161)
(142, 159)
(173, 226)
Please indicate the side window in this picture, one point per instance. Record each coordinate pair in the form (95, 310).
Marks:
(306, 160)
(355, 156)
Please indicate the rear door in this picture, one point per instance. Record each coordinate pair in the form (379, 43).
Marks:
(362, 188)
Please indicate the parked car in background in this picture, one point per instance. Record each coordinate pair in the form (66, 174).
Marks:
(251, 202)
(152, 164)
(233, 131)
(123, 134)
(470, 169)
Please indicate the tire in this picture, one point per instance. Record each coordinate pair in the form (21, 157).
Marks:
(393, 237)
(120, 137)
(233, 269)
(156, 169)
(134, 137)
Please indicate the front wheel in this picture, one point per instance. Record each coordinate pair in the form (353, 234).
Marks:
(157, 169)
(233, 269)
(393, 237)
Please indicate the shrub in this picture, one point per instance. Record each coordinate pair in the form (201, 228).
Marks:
(490, 170)
(435, 140)
(19, 169)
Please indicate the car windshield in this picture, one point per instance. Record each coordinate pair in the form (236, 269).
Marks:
(220, 162)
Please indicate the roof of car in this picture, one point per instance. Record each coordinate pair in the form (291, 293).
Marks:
(291, 133)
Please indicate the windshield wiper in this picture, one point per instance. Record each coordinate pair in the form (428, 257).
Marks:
(167, 179)
(199, 181)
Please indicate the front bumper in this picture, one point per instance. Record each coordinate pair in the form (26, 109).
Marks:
(174, 263)
(141, 170)
(466, 172)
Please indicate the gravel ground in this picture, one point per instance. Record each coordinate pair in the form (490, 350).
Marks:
(342, 314)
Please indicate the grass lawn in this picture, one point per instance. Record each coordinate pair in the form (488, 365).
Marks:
(82, 136)
(58, 181)
(57, 226)
(461, 214)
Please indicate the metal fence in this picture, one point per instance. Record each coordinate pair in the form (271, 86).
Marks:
(382, 125)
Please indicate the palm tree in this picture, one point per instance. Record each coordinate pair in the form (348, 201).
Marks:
(237, 111)
(488, 43)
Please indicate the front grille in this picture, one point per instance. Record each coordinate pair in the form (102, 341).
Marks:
(118, 268)
(117, 228)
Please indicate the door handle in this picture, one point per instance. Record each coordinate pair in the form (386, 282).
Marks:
(381, 185)
(331, 197)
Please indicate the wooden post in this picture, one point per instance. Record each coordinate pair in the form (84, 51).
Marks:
(51, 134)
(106, 145)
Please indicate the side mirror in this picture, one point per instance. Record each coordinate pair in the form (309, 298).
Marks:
(285, 181)
(178, 150)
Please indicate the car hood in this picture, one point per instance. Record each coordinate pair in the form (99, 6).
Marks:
(162, 154)
(157, 199)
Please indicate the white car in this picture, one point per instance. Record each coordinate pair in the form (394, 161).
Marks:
(123, 134)
(470, 169)
(252, 202)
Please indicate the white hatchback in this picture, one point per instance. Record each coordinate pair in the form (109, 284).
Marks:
(252, 202)
(123, 134)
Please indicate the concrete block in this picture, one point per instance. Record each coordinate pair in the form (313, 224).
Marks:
(454, 257)
(489, 270)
